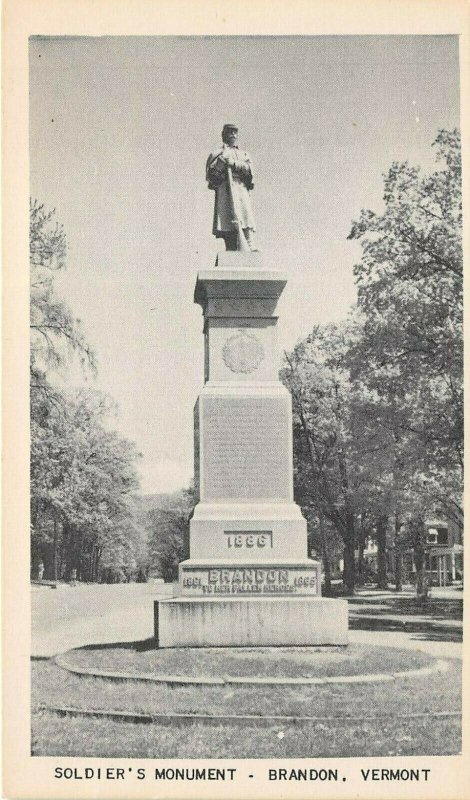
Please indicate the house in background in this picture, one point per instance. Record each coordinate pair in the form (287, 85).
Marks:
(444, 552)
(443, 555)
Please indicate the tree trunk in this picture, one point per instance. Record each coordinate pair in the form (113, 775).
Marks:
(96, 577)
(66, 560)
(55, 548)
(360, 559)
(94, 563)
(419, 537)
(381, 530)
(72, 544)
(398, 570)
(325, 556)
(77, 564)
(421, 588)
(398, 558)
(349, 572)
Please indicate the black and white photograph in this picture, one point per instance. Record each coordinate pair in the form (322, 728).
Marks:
(246, 412)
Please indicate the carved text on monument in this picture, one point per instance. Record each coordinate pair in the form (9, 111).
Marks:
(249, 539)
(250, 580)
(245, 448)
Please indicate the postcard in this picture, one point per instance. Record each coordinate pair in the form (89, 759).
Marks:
(233, 509)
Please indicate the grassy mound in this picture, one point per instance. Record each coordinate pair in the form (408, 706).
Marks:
(265, 662)
(350, 720)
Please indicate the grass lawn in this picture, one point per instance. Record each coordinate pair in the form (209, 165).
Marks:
(342, 711)
(102, 738)
(341, 728)
(299, 662)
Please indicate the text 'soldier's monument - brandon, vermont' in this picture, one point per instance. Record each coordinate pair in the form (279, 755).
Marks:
(247, 579)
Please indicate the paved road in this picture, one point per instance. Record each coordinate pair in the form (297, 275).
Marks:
(73, 616)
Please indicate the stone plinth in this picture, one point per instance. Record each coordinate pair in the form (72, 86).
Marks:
(262, 622)
(255, 531)
(247, 579)
(240, 336)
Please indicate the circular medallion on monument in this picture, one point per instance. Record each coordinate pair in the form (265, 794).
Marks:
(243, 352)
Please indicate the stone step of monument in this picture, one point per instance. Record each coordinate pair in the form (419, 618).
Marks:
(241, 621)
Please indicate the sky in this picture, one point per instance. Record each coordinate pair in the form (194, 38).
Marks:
(120, 129)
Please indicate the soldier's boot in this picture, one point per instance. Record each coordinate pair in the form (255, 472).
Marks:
(250, 239)
(231, 240)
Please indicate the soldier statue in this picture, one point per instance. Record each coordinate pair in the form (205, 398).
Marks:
(229, 174)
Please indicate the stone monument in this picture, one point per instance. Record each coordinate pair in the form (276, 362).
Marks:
(247, 580)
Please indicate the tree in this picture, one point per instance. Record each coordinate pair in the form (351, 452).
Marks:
(327, 472)
(169, 532)
(82, 484)
(124, 550)
(84, 518)
(410, 291)
(55, 333)
(378, 414)
(410, 357)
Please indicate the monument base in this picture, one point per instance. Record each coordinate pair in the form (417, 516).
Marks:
(250, 622)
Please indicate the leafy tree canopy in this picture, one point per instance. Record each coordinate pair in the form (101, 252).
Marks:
(410, 293)
(55, 333)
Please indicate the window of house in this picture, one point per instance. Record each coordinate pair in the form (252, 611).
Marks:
(442, 536)
(438, 536)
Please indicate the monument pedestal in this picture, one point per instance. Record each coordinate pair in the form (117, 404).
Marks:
(250, 622)
(248, 580)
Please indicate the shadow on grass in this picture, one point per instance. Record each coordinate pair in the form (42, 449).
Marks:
(438, 636)
(420, 630)
(406, 610)
(142, 646)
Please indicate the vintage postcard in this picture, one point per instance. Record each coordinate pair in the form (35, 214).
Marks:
(234, 552)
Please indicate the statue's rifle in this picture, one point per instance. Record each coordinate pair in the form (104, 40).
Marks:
(242, 243)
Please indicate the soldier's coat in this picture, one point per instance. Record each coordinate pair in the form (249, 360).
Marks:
(242, 183)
